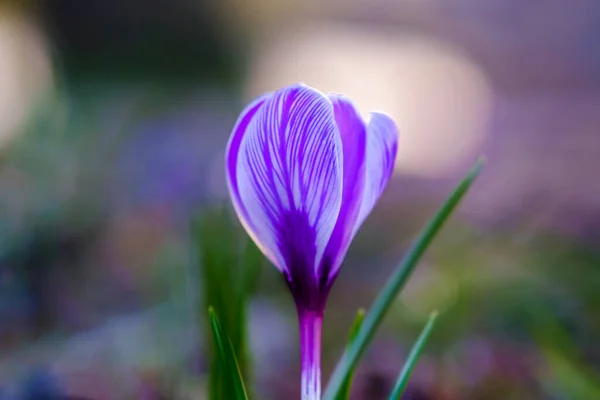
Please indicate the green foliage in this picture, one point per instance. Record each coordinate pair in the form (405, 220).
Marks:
(230, 269)
(413, 357)
(345, 391)
(233, 384)
(570, 376)
(393, 287)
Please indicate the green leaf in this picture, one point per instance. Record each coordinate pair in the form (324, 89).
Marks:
(394, 285)
(232, 379)
(229, 265)
(345, 392)
(360, 316)
(413, 357)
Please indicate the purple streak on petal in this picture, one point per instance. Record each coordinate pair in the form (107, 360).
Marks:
(231, 156)
(353, 134)
(310, 324)
(382, 144)
(290, 182)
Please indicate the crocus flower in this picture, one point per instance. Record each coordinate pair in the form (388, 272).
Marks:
(304, 170)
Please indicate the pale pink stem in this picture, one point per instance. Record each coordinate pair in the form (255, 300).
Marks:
(310, 323)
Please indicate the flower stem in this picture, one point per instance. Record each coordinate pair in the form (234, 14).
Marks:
(310, 323)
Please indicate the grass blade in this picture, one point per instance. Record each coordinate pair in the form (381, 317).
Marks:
(412, 359)
(345, 391)
(233, 382)
(393, 286)
(229, 266)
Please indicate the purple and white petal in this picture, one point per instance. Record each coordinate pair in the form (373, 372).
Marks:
(353, 134)
(232, 152)
(289, 177)
(382, 144)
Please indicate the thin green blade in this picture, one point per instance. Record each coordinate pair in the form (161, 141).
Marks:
(360, 316)
(412, 359)
(228, 266)
(394, 285)
(233, 382)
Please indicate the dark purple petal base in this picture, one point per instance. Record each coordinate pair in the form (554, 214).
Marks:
(309, 285)
(309, 291)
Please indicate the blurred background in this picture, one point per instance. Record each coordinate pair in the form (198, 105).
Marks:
(114, 117)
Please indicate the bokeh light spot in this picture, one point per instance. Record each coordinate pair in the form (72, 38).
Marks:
(437, 95)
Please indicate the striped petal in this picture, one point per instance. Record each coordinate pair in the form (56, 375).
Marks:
(382, 144)
(232, 153)
(353, 134)
(289, 179)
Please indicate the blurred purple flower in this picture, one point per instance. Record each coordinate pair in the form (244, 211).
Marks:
(304, 170)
